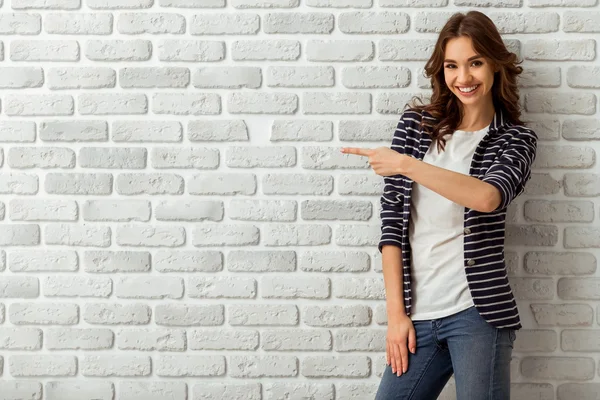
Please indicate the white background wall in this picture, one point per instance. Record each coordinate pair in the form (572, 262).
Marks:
(178, 222)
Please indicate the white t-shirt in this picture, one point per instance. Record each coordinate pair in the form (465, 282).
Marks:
(436, 235)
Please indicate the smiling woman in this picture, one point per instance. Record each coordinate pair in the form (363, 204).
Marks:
(453, 168)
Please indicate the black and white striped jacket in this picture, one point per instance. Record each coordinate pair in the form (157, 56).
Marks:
(503, 158)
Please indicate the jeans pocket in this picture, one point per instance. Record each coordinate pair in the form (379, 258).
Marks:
(512, 334)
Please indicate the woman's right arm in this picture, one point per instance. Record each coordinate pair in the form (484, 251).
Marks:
(400, 326)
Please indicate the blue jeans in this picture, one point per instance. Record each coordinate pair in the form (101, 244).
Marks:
(465, 344)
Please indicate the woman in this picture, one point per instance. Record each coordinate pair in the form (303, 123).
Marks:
(453, 168)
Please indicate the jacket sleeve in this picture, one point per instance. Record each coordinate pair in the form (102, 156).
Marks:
(510, 172)
(392, 199)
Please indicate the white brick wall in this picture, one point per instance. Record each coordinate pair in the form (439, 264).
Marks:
(177, 222)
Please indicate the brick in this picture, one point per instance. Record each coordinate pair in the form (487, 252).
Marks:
(118, 50)
(150, 236)
(395, 103)
(46, 4)
(583, 391)
(305, 183)
(204, 366)
(558, 368)
(336, 366)
(136, 390)
(363, 390)
(42, 365)
(263, 210)
(560, 263)
(334, 261)
(317, 157)
(336, 210)
(19, 183)
(531, 235)
(340, 50)
(367, 130)
(186, 104)
(416, 3)
(296, 235)
(562, 3)
(178, 158)
(208, 339)
(74, 131)
(225, 235)
(265, 50)
(581, 129)
(154, 77)
(78, 339)
(336, 103)
(298, 77)
(19, 235)
(228, 184)
(17, 131)
(188, 261)
(44, 50)
(559, 211)
(20, 338)
(542, 184)
(227, 78)
(43, 210)
(284, 390)
(78, 235)
(357, 235)
(115, 365)
(78, 24)
(301, 130)
(77, 286)
(296, 340)
(192, 3)
(560, 103)
(263, 314)
(191, 50)
(151, 287)
(116, 314)
(43, 261)
(264, 157)
(582, 184)
(562, 314)
(263, 366)
(582, 237)
(43, 314)
(526, 22)
(21, 390)
(116, 261)
(221, 287)
(80, 78)
(41, 157)
(21, 77)
(538, 391)
(119, 4)
(579, 288)
(264, 4)
(363, 22)
(227, 391)
(360, 340)
(580, 340)
(283, 287)
(151, 339)
(38, 105)
(147, 131)
(149, 183)
(559, 50)
(24, 287)
(581, 21)
(487, 3)
(151, 23)
(224, 24)
(299, 23)
(261, 261)
(193, 210)
(540, 77)
(359, 288)
(112, 104)
(61, 390)
(116, 210)
(536, 340)
(193, 315)
(262, 103)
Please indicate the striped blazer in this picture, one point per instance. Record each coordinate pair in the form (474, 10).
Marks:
(503, 158)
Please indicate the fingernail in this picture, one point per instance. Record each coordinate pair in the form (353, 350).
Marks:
(404, 370)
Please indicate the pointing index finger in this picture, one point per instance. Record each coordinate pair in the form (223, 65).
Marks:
(357, 151)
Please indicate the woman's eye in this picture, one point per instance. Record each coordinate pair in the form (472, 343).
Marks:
(477, 63)
(449, 66)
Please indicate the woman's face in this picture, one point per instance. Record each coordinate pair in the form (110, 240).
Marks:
(468, 75)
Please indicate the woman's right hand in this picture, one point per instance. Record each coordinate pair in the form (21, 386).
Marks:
(400, 333)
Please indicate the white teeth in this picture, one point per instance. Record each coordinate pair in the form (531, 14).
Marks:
(469, 89)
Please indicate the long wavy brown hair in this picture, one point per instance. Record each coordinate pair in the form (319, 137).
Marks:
(444, 106)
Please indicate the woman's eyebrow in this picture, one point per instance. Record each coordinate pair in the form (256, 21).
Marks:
(470, 58)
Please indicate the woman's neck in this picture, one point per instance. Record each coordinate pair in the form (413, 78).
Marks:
(476, 117)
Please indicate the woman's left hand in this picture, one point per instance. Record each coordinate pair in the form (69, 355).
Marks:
(383, 160)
